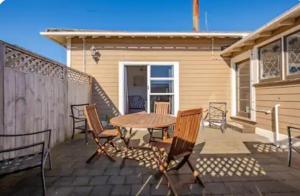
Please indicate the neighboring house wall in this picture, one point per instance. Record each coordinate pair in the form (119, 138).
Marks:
(204, 75)
(284, 91)
(288, 96)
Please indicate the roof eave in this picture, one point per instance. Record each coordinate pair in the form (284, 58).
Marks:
(61, 36)
(263, 31)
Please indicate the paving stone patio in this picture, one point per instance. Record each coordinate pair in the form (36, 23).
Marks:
(230, 164)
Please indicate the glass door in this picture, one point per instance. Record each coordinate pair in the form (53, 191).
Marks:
(243, 89)
(160, 85)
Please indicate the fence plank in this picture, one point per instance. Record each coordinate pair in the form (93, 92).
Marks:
(20, 109)
(9, 107)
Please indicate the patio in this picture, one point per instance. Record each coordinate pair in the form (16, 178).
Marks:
(230, 164)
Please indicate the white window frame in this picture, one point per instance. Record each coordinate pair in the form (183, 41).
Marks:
(175, 78)
(253, 56)
(274, 38)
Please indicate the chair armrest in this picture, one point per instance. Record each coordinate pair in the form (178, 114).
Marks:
(23, 147)
(83, 104)
(28, 134)
(291, 129)
(25, 134)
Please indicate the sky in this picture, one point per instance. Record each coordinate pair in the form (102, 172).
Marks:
(21, 21)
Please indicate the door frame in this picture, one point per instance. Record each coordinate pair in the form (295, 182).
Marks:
(122, 65)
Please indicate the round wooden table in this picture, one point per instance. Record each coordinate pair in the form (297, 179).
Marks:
(144, 120)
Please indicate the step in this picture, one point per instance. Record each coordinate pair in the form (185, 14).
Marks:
(241, 125)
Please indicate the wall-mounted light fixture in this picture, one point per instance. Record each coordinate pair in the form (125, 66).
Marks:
(95, 54)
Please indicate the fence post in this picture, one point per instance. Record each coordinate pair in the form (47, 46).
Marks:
(2, 61)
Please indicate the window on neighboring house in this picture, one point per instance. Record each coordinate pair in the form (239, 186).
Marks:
(270, 61)
(292, 43)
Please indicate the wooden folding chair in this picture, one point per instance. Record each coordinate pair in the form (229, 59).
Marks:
(99, 133)
(182, 144)
(160, 108)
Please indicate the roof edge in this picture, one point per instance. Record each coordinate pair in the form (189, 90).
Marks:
(278, 19)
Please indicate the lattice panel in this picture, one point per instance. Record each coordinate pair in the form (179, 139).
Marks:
(270, 60)
(28, 63)
(77, 76)
(293, 48)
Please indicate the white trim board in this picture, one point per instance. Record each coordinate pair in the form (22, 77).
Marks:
(122, 65)
(69, 45)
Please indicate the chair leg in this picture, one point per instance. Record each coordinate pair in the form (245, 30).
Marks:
(180, 164)
(170, 183)
(73, 130)
(151, 135)
(86, 132)
(197, 176)
(43, 180)
(290, 157)
(114, 146)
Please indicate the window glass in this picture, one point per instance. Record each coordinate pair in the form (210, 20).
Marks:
(162, 86)
(293, 53)
(270, 60)
(162, 71)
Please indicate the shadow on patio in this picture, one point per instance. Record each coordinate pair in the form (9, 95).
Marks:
(252, 173)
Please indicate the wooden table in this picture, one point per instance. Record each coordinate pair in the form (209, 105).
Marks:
(144, 120)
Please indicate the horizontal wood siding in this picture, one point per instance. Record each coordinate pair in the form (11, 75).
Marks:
(204, 75)
(288, 96)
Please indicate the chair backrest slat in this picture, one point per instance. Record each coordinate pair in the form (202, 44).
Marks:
(186, 131)
(162, 107)
(93, 120)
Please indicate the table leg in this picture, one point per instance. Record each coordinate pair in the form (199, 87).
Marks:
(165, 133)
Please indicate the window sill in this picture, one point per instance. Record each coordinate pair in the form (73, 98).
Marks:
(278, 83)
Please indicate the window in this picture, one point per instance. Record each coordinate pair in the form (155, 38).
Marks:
(292, 43)
(243, 88)
(270, 61)
(161, 85)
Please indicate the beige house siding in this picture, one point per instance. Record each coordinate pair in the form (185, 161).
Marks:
(288, 96)
(203, 75)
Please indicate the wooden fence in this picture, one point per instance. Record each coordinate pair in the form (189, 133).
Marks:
(36, 94)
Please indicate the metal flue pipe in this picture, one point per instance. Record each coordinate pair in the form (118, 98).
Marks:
(196, 15)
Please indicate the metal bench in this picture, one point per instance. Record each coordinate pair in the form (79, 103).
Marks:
(26, 157)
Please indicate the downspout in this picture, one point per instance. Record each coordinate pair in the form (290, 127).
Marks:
(276, 126)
